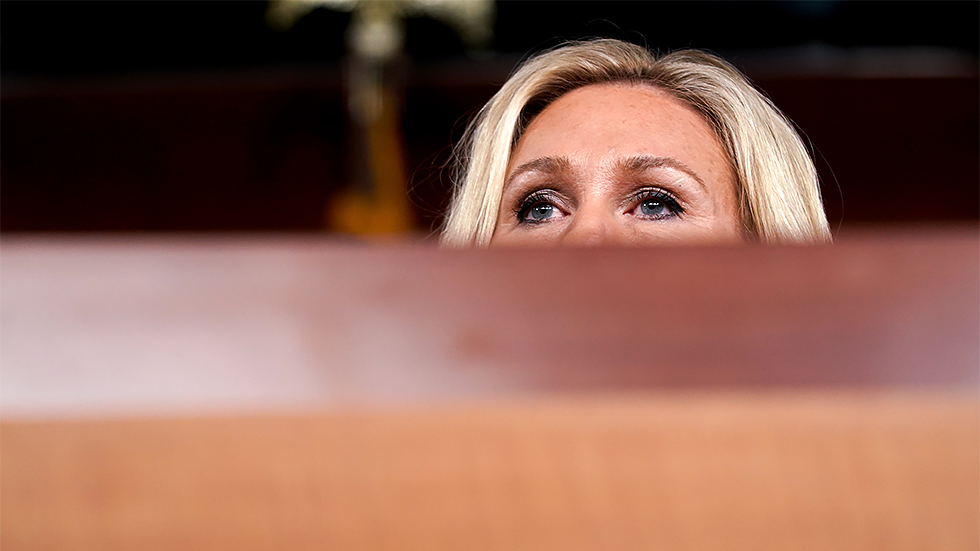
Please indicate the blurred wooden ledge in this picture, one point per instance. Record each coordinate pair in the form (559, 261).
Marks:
(143, 324)
(260, 392)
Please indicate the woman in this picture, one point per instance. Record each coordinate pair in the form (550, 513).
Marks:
(602, 142)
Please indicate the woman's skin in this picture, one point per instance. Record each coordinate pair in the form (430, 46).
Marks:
(618, 164)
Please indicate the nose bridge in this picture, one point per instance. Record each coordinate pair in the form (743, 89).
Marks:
(593, 225)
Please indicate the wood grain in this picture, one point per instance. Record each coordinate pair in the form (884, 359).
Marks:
(710, 470)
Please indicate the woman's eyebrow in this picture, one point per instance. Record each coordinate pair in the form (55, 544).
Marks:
(639, 163)
(550, 164)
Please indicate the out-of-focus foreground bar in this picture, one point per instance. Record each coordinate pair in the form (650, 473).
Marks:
(304, 393)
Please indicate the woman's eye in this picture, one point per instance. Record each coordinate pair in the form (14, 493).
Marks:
(541, 211)
(657, 206)
(653, 207)
(537, 208)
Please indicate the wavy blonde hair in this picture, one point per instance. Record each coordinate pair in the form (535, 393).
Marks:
(777, 186)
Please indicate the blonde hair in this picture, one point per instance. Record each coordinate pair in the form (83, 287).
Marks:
(777, 186)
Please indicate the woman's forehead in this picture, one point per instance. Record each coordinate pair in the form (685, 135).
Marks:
(607, 123)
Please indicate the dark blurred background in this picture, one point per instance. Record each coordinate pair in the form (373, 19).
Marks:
(197, 116)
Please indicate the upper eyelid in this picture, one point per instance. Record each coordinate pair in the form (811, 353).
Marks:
(544, 193)
(643, 191)
(532, 181)
(538, 195)
(642, 163)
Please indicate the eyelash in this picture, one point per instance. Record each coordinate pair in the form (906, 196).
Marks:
(664, 197)
(547, 196)
(532, 200)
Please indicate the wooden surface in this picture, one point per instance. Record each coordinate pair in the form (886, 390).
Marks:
(151, 324)
(301, 393)
(703, 471)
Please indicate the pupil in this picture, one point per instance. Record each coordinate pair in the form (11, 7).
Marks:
(541, 212)
(652, 208)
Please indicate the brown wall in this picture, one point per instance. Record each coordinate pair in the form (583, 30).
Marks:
(266, 151)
